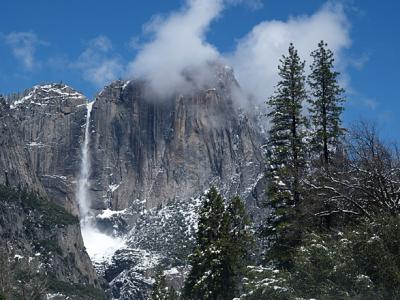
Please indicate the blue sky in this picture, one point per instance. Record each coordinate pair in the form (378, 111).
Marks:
(88, 43)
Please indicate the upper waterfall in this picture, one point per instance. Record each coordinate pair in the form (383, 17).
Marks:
(83, 196)
(98, 245)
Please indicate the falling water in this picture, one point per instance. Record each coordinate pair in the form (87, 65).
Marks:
(98, 245)
(82, 195)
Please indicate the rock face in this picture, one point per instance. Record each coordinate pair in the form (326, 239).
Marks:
(46, 240)
(32, 223)
(15, 167)
(175, 148)
(50, 118)
(150, 160)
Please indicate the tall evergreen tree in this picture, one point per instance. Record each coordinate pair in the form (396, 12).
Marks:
(223, 246)
(235, 248)
(202, 280)
(326, 103)
(286, 149)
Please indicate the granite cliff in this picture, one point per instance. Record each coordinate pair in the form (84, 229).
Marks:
(150, 161)
(159, 150)
(38, 234)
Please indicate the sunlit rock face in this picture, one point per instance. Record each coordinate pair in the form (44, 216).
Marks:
(50, 118)
(159, 150)
(34, 228)
(148, 158)
(15, 167)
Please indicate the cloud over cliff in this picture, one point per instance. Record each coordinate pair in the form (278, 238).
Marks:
(178, 44)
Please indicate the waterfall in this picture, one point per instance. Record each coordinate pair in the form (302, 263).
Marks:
(99, 246)
(82, 195)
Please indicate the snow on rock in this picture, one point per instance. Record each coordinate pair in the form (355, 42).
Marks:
(113, 187)
(42, 95)
(36, 144)
(108, 213)
(160, 237)
(126, 84)
(51, 296)
(172, 271)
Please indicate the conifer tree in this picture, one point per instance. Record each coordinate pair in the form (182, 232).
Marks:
(223, 246)
(202, 280)
(286, 149)
(235, 248)
(326, 102)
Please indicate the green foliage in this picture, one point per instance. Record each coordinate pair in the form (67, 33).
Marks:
(19, 278)
(363, 262)
(334, 228)
(326, 104)
(209, 219)
(236, 245)
(285, 143)
(50, 246)
(200, 283)
(286, 152)
(266, 283)
(222, 252)
(50, 213)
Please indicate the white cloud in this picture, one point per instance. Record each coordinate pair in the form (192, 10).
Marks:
(257, 55)
(23, 46)
(178, 44)
(98, 63)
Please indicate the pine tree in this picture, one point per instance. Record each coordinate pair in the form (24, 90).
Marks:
(235, 248)
(223, 246)
(286, 149)
(202, 281)
(326, 102)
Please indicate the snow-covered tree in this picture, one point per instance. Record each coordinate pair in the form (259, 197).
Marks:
(235, 246)
(326, 103)
(202, 281)
(365, 182)
(222, 251)
(286, 149)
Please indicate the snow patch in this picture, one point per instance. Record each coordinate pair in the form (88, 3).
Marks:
(126, 84)
(113, 187)
(47, 92)
(173, 271)
(36, 144)
(54, 296)
(108, 213)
